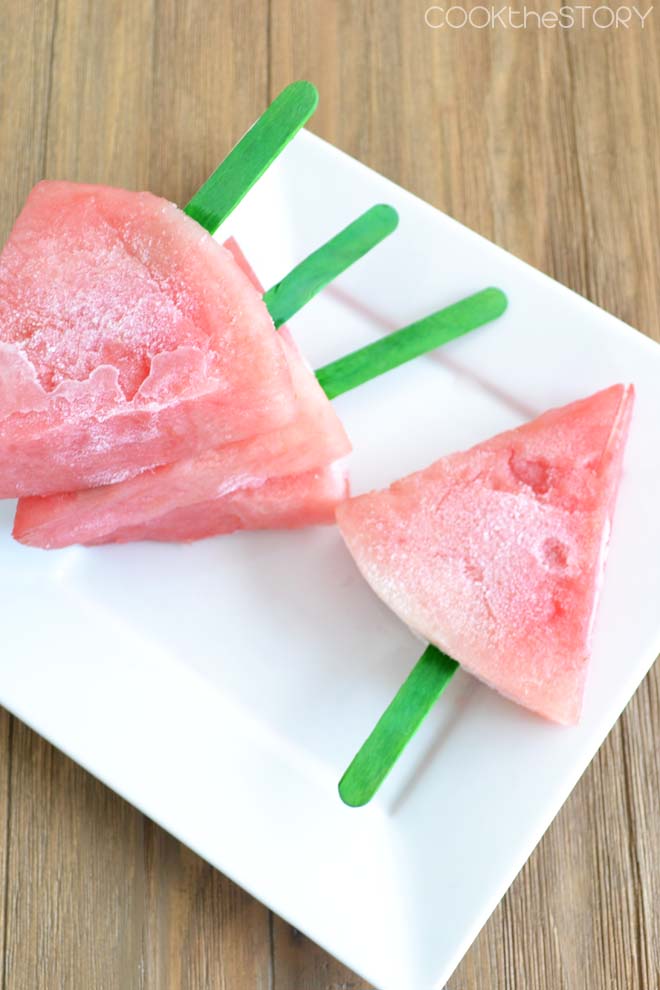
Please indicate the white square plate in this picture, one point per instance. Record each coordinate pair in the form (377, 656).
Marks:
(223, 687)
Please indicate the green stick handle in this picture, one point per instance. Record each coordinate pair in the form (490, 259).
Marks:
(396, 727)
(329, 261)
(249, 159)
(433, 671)
(412, 341)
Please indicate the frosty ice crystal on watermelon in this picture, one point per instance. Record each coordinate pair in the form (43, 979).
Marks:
(189, 488)
(128, 338)
(496, 554)
(314, 439)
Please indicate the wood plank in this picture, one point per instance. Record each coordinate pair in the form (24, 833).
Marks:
(99, 94)
(75, 885)
(204, 98)
(299, 964)
(25, 45)
(100, 896)
(201, 931)
(5, 773)
(616, 108)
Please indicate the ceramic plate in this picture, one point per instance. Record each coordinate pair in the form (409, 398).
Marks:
(223, 687)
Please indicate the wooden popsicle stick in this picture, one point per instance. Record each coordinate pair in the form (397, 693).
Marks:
(410, 342)
(396, 727)
(249, 159)
(328, 262)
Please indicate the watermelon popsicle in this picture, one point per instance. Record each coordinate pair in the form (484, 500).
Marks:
(312, 439)
(128, 337)
(291, 502)
(496, 556)
(215, 203)
(121, 345)
(197, 496)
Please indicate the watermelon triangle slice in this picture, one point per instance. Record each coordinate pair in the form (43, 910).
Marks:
(186, 492)
(496, 554)
(128, 338)
(306, 499)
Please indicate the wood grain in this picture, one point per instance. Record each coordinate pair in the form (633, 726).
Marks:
(201, 931)
(75, 876)
(546, 142)
(6, 732)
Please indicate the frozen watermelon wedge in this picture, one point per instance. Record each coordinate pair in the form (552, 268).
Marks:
(313, 439)
(307, 499)
(496, 554)
(128, 338)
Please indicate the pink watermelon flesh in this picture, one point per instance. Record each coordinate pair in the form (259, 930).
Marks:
(312, 440)
(128, 338)
(496, 554)
(306, 499)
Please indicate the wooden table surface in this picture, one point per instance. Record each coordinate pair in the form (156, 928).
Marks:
(546, 141)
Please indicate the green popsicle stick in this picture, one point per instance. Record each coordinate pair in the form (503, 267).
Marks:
(328, 262)
(249, 159)
(396, 727)
(210, 206)
(433, 671)
(412, 341)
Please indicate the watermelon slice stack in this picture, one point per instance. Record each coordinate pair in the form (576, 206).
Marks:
(282, 478)
(128, 339)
